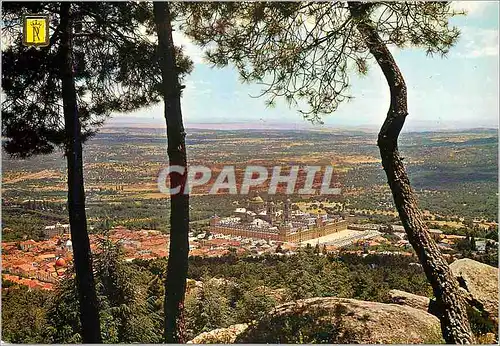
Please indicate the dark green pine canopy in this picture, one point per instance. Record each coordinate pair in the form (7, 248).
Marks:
(115, 66)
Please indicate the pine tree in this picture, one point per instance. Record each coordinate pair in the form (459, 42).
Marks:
(175, 284)
(304, 51)
(316, 249)
(58, 96)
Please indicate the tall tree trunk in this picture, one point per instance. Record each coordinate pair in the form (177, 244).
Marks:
(175, 285)
(451, 304)
(82, 257)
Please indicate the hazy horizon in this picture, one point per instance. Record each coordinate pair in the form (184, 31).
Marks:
(452, 93)
(422, 126)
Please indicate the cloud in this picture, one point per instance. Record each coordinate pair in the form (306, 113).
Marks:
(477, 42)
(198, 87)
(473, 8)
(194, 52)
(190, 49)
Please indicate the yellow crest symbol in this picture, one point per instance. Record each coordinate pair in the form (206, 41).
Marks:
(36, 30)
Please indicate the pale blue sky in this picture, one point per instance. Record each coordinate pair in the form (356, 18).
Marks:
(460, 91)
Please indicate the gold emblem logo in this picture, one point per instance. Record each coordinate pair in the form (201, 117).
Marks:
(36, 30)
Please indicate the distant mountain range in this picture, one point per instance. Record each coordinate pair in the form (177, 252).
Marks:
(142, 122)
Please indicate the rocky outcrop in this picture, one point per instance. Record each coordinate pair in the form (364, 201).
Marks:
(194, 287)
(480, 281)
(280, 295)
(334, 320)
(220, 336)
(339, 320)
(409, 299)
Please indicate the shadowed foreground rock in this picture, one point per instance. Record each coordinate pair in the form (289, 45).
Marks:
(481, 283)
(335, 320)
(220, 336)
(409, 299)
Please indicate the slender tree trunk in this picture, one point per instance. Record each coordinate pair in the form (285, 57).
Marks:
(82, 257)
(175, 285)
(451, 304)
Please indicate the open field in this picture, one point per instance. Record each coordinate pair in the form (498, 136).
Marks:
(338, 236)
(18, 177)
(453, 174)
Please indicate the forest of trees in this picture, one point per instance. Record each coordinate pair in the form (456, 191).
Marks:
(235, 290)
(106, 57)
